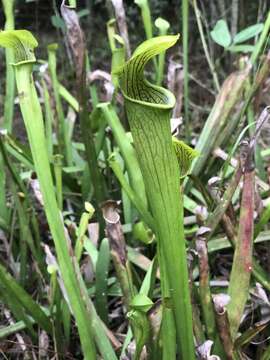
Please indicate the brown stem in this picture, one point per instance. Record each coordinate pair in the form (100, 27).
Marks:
(223, 325)
(205, 292)
(118, 250)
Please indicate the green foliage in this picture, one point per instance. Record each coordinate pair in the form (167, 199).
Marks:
(221, 35)
(58, 22)
(248, 33)
(137, 273)
(141, 302)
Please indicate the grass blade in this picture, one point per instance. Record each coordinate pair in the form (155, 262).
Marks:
(126, 149)
(146, 216)
(62, 131)
(9, 284)
(102, 269)
(77, 44)
(185, 19)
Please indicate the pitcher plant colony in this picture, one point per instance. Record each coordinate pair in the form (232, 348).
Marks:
(131, 227)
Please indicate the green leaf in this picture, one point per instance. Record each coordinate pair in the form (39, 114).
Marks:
(185, 155)
(34, 124)
(22, 42)
(58, 22)
(221, 34)
(133, 72)
(82, 13)
(248, 33)
(241, 48)
(118, 57)
(102, 270)
(146, 17)
(10, 286)
(149, 110)
(141, 302)
(249, 334)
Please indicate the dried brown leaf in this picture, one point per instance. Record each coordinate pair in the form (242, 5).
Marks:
(75, 37)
